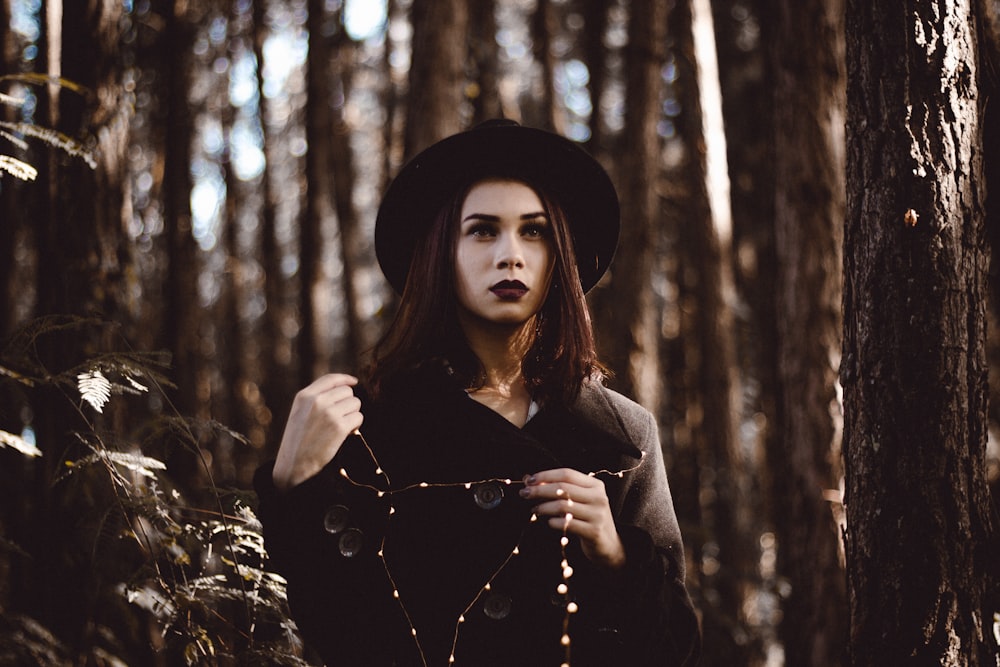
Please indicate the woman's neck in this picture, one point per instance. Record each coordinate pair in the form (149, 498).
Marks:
(500, 350)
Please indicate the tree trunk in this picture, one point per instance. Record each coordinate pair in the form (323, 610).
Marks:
(595, 24)
(807, 56)
(357, 337)
(543, 25)
(275, 350)
(317, 205)
(485, 54)
(914, 371)
(181, 315)
(8, 234)
(730, 554)
(230, 406)
(628, 327)
(437, 72)
(991, 166)
(84, 264)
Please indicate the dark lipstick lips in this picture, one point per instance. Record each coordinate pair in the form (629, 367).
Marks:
(509, 289)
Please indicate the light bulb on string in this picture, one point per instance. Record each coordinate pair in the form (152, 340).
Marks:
(567, 570)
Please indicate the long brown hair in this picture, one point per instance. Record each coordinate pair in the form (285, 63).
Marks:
(426, 328)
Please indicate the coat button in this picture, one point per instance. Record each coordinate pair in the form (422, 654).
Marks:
(488, 495)
(497, 606)
(350, 543)
(335, 520)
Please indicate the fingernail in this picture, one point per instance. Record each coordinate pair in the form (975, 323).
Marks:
(525, 492)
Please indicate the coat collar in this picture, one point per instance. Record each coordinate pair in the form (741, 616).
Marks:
(592, 430)
(594, 426)
(595, 409)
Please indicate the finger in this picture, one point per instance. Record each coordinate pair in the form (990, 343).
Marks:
(582, 512)
(337, 397)
(329, 381)
(562, 475)
(564, 490)
(555, 475)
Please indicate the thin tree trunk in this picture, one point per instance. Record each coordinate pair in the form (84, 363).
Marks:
(807, 56)
(85, 241)
(181, 321)
(8, 230)
(629, 325)
(731, 568)
(914, 372)
(595, 25)
(543, 26)
(392, 137)
(357, 337)
(275, 350)
(230, 407)
(743, 30)
(317, 205)
(486, 57)
(437, 72)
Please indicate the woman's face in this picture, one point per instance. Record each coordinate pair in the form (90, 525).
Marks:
(504, 253)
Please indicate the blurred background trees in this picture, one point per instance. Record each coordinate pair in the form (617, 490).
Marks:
(200, 226)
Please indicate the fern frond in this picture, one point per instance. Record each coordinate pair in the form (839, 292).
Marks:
(11, 101)
(18, 443)
(94, 388)
(142, 465)
(55, 139)
(19, 377)
(269, 656)
(17, 168)
(37, 79)
(14, 139)
(150, 599)
(25, 641)
(219, 427)
(128, 372)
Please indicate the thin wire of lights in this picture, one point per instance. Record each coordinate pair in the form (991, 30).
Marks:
(570, 606)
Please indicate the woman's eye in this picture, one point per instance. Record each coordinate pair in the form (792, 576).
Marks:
(480, 231)
(535, 230)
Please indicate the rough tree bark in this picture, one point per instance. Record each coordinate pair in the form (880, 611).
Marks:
(914, 368)
(436, 90)
(806, 54)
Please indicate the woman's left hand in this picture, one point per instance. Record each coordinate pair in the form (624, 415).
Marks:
(578, 504)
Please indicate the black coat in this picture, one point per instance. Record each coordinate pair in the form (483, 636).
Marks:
(441, 522)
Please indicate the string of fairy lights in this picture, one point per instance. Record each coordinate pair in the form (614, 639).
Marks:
(571, 607)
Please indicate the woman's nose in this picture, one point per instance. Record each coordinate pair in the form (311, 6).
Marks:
(509, 254)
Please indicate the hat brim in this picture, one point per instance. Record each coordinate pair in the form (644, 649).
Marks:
(559, 167)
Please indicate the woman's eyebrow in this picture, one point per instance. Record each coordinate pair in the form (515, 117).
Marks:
(496, 218)
(481, 216)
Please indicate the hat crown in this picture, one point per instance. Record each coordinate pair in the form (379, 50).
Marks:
(500, 147)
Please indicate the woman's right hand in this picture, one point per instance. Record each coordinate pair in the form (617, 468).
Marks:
(322, 416)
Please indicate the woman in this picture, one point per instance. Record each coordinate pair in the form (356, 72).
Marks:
(483, 500)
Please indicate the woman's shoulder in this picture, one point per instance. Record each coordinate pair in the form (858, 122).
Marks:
(620, 402)
(616, 412)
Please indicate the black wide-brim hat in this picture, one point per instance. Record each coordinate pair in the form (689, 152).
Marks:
(501, 149)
